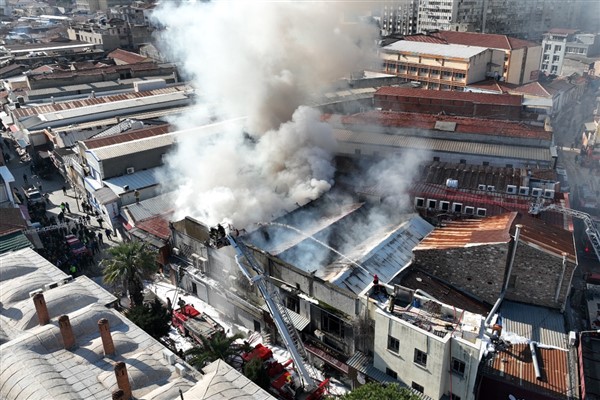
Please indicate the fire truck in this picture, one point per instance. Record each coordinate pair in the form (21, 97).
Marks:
(193, 323)
(287, 384)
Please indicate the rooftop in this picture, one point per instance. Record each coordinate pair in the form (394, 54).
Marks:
(129, 182)
(469, 233)
(11, 220)
(548, 237)
(563, 31)
(127, 57)
(479, 98)
(489, 40)
(469, 125)
(35, 364)
(456, 51)
(128, 136)
(148, 208)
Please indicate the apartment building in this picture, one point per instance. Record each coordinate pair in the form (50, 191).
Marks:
(399, 17)
(117, 33)
(464, 15)
(559, 44)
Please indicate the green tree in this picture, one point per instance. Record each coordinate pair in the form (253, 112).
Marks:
(219, 346)
(378, 391)
(255, 371)
(130, 264)
(152, 318)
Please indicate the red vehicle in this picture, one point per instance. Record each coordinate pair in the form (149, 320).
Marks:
(192, 322)
(77, 248)
(285, 383)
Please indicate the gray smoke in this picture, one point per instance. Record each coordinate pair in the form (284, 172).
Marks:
(262, 61)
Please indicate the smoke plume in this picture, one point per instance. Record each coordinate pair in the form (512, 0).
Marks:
(262, 61)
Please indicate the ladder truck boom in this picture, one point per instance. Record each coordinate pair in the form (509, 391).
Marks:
(282, 320)
(590, 227)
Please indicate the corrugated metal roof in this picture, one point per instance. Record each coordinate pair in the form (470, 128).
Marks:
(534, 154)
(298, 320)
(514, 366)
(133, 147)
(105, 195)
(480, 98)
(540, 324)
(469, 232)
(137, 180)
(13, 242)
(435, 49)
(128, 136)
(148, 208)
(384, 253)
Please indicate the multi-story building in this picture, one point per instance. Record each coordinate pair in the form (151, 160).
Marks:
(521, 58)
(91, 6)
(399, 17)
(561, 43)
(115, 34)
(464, 15)
(440, 66)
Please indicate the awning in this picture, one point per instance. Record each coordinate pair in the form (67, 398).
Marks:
(298, 320)
(328, 358)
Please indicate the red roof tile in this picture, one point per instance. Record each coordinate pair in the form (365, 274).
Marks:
(463, 124)
(128, 136)
(549, 237)
(488, 40)
(126, 56)
(481, 98)
(11, 220)
(425, 39)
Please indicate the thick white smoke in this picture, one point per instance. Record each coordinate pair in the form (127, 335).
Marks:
(260, 60)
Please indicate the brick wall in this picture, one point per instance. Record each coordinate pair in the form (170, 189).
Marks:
(478, 270)
(535, 277)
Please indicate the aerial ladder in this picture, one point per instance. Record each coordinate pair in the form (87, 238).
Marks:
(279, 313)
(590, 227)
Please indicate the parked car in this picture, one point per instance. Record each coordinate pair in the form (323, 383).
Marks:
(32, 194)
(77, 248)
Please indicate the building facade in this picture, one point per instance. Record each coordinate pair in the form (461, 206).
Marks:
(559, 44)
(399, 17)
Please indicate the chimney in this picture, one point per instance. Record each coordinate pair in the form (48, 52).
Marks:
(107, 342)
(66, 332)
(118, 395)
(41, 309)
(123, 379)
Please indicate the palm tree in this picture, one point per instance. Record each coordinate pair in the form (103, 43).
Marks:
(219, 346)
(130, 264)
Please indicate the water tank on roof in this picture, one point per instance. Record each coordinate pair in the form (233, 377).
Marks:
(452, 183)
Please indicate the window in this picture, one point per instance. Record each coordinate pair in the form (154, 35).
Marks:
(419, 202)
(555, 59)
(457, 207)
(417, 387)
(469, 210)
(481, 212)
(393, 344)
(391, 373)
(554, 69)
(557, 49)
(546, 57)
(547, 47)
(444, 205)
(431, 203)
(332, 324)
(292, 303)
(420, 358)
(458, 366)
(544, 67)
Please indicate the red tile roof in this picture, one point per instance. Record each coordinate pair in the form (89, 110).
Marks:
(488, 40)
(143, 66)
(463, 124)
(127, 56)
(549, 237)
(470, 232)
(481, 98)
(128, 136)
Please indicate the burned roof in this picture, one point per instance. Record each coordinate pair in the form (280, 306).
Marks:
(415, 279)
(470, 232)
(470, 176)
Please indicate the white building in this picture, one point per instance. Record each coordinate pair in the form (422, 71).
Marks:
(399, 16)
(429, 346)
(464, 15)
(559, 44)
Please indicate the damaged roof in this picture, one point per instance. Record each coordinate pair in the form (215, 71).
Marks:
(470, 232)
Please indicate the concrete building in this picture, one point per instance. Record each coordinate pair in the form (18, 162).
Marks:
(561, 43)
(115, 33)
(521, 58)
(539, 271)
(91, 6)
(432, 347)
(398, 17)
(440, 66)
(450, 15)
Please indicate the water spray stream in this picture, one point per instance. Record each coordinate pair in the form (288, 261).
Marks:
(318, 241)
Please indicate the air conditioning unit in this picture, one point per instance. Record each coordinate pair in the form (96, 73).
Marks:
(130, 170)
(491, 188)
(168, 356)
(536, 192)
(175, 251)
(549, 193)
(481, 187)
(199, 262)
(180, 370)
(319, 334)
(49, 286)
(511, 189)
(36, 291)
(524, 191)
